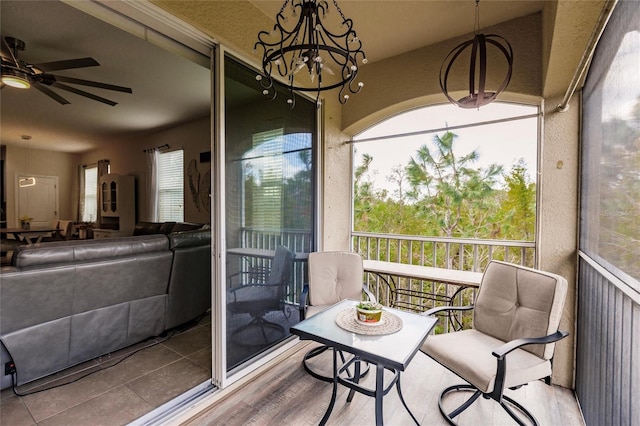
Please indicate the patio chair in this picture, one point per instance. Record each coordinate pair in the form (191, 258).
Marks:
(333, 276)
(258, 299)
(515, 326)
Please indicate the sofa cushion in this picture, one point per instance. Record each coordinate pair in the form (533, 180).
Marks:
(147, 228)
(65, 252)
(194, 238)
(185, 226)
(166, 228)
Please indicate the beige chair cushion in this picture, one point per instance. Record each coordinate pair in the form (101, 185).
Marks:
(517, 302)
(334, 276)
(65, 226)
(468, 354)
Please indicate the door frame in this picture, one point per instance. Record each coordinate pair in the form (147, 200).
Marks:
(16, 193)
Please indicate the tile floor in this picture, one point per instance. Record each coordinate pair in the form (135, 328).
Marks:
(125, 385)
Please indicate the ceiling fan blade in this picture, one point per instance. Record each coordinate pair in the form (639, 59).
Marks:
(53, 95)
(13, 56)
(92, 84)
(83, 93)
(67, 65)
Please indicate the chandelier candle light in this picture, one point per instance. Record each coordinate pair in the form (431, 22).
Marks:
(309, 44)
(477, 67)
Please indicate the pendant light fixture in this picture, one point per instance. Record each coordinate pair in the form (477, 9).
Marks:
(479, 94)
(303, 41)
(31, 180)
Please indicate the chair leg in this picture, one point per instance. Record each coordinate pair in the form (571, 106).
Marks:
(520, 408)
(476, 393)
(456, 388)
(319, 350)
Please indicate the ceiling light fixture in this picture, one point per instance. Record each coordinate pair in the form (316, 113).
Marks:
(15, 78)
(31, 180)
(477, 67)
(329, 52)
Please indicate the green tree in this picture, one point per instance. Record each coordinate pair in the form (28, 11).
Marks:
(516, 219)
(448, 187)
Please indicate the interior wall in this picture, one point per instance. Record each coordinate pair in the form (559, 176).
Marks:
(127, 157)
(47, 163)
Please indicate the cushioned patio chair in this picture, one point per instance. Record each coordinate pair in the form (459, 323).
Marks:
(258, 299)
(515, 326)
(333, 276)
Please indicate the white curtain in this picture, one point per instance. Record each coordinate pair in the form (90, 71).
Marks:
(81, 185)
(152, 184)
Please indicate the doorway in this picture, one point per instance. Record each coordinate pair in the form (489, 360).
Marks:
(38, 201)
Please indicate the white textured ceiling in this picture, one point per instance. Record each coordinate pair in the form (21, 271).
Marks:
(168, 89)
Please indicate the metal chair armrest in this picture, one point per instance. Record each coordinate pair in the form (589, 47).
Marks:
(503, 350)
(446, 308)
(304, 298)
(370, 295)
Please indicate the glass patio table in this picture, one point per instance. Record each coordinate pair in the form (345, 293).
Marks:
(390, 350)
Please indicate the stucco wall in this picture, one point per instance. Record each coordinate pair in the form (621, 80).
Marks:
(558, 217)
(403, 79)
(409, 80)
(386, 94)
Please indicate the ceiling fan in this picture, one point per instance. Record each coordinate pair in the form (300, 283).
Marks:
(20, 74)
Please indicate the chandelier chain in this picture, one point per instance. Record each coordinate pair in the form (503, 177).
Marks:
(335, 3)
(476, 25)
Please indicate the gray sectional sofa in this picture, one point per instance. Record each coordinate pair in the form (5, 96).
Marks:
(67, 302)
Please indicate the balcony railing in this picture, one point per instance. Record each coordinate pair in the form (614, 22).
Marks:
(449, 253)
(464, 254)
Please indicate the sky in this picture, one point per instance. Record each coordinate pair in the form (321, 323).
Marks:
(504, 143)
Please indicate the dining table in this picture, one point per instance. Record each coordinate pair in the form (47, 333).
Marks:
(29, 236)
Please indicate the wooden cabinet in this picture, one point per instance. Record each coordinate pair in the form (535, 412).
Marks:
(117, 206)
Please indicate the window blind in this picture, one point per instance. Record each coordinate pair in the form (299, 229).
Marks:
(90, 211)
(171, 186)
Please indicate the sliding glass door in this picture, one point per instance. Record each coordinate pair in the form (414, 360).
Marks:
(269, 212)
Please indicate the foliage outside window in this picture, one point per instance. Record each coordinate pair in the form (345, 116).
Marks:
(90, 211)
(171, 186)
(610, 192)
(453, 176)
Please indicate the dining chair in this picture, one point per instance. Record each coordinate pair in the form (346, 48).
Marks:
(516, 315)
(64, 231)
(333, 276)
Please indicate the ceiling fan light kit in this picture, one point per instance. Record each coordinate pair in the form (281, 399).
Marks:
(22, 75)
(15, 78)
(303, 40)
(478, 94)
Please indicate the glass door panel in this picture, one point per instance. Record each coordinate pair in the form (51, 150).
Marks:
(269, 211)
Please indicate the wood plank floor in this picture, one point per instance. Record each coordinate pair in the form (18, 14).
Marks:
(286, 395)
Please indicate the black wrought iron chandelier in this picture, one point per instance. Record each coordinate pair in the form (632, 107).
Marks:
(478, 94)
(329, 53)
